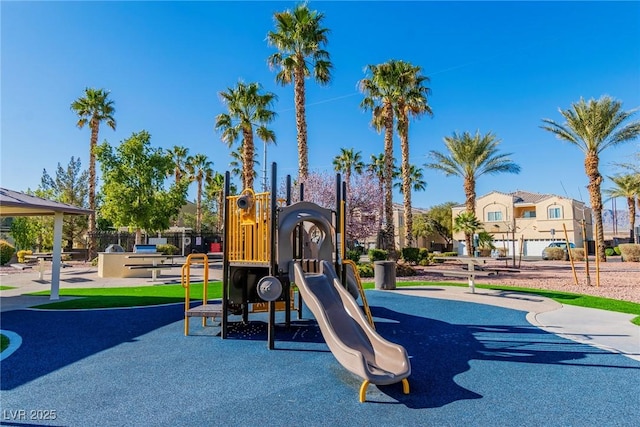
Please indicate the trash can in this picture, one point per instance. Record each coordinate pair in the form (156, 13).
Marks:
(384, 273)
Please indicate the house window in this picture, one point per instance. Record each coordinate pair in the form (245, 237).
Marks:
(529, 214)
(494, 216)
(555, 213)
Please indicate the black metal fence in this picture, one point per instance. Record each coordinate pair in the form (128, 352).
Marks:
(187, 242)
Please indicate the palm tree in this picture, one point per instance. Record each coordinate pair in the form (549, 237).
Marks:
(468, 223)
(214, 188)
(376, 167)
(93, 108)
(348, 160)
(627, 186)
(179, 156)
(469, 157)
(416, 180)
(380, 96)
(594, 126)
(236, 163)
(249, 108)
(300, 39)
(412, 102)
(200, 170)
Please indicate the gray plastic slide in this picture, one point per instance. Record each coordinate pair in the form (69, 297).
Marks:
(353, 342)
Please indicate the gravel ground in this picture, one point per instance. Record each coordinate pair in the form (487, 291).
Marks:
(618, 280)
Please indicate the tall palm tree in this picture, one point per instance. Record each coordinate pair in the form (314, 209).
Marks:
(627, 186)
(469, 157)
(200, 170)
(380, 90)
(249, 108)
(594, 126)
(347, 161)
(300, 39)
(416, 180)
(93, 108)
(411, 102)
(376, 167)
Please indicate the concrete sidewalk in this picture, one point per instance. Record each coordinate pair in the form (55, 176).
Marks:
(606, 330)
(603, 329)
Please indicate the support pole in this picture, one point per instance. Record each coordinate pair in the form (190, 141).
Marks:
(597, 261)
(585, 247)
(225, 257)
(573, 267)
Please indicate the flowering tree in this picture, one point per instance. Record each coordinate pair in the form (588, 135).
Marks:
(362, 202)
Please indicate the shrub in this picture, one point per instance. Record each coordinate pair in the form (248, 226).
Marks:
(577, 254)
(556, 253)
(609, 251)
(353, 255)
(449, 254)
(630, 251)
(404, 270)
(617, 250)
(168, 249)
(411, 255)
(424, 253)
(424, 262)
(6, 252)
(21, 254)
(365, 270)
(377, 255)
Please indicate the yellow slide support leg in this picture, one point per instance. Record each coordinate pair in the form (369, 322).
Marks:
(365, 384)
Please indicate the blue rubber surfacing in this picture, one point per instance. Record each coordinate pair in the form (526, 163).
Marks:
(471, 364)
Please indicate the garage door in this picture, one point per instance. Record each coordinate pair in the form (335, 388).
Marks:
(535, 247)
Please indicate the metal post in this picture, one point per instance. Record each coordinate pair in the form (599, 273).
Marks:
(225, 257)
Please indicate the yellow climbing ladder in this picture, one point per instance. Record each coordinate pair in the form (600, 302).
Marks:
(365, 303)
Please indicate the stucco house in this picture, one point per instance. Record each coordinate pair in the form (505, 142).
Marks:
(527, 222)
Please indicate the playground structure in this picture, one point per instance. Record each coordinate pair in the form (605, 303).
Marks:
(272, 247)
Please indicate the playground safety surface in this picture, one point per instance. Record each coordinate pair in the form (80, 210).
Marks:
(475, 364)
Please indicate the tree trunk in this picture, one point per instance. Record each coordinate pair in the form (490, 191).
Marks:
(632, 218)
(403, 130)
(388, 177)
(92, 243)
(199, 207)
(595, 180)
(470, 194)
(248, 151)
(301, 124)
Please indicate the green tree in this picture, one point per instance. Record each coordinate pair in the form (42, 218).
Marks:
(248, 108)
(70, 187)
(348, 161)
(134, 190)
(628, 187)
(200, 170)
(467, 223)
(300, 39)
(93, 108)
(438, 221)
(236, 163)
(24, 231)
(593, 127)
(469, 157)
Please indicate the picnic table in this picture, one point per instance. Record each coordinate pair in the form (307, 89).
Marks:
(41, 258)
(475, 267)
(156, 265)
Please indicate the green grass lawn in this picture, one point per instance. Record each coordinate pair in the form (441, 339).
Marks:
(166, 294)
(4, 342)
(87, 298)
(4, 288)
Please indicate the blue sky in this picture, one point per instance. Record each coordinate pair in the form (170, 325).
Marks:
(499, 67)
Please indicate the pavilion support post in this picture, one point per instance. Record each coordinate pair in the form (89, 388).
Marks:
(56, 260)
